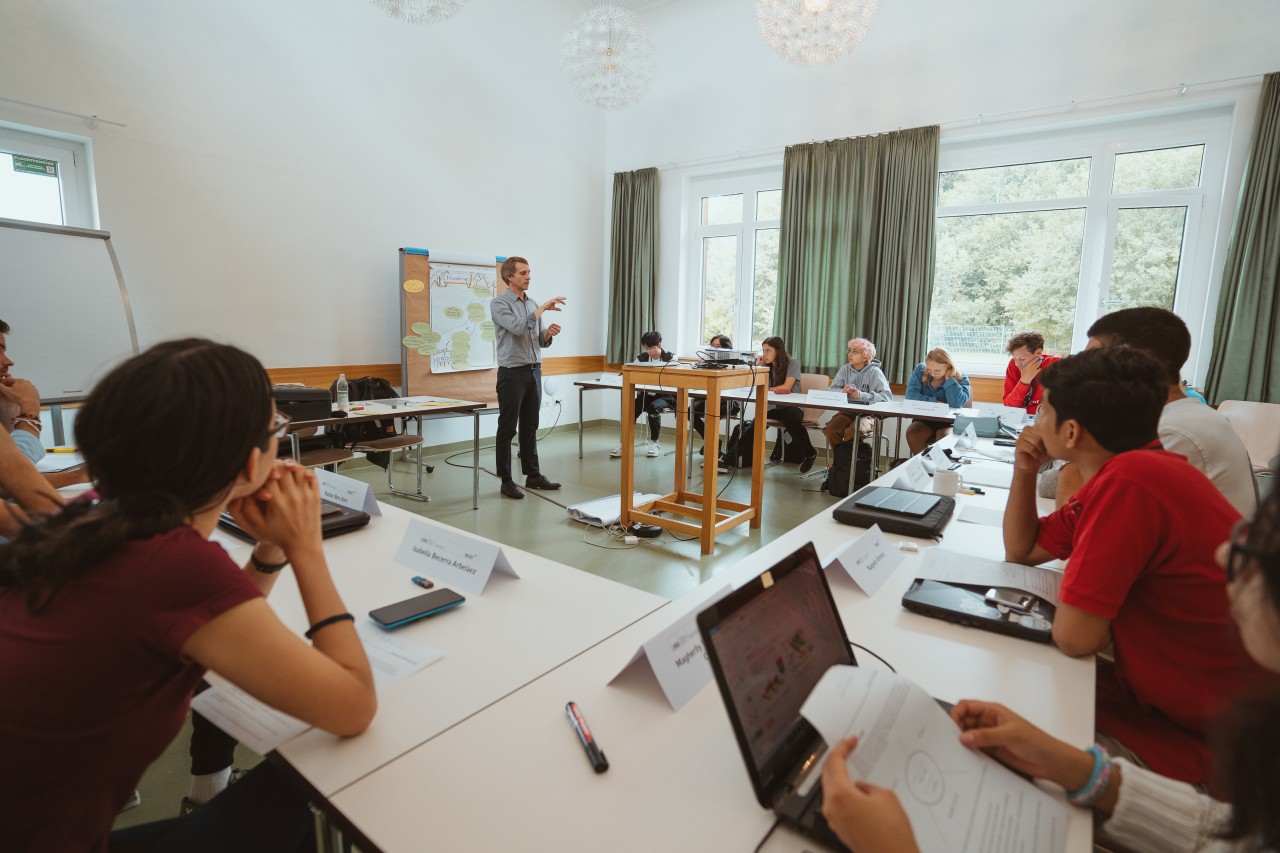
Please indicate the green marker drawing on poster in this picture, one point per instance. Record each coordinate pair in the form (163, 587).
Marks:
(453, 312)
(475, 312)
(420, 328)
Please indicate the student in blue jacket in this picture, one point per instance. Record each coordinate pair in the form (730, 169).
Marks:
(935, 380)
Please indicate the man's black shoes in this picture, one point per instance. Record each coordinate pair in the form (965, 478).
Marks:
(511, 490)
(538, 481)
(807, 464)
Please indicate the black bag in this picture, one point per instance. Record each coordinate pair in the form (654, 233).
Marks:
(349, 435)
(739, 450)
(837, 482)
(927, 526)
(301, 403)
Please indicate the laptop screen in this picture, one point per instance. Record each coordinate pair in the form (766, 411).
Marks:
(770, 642)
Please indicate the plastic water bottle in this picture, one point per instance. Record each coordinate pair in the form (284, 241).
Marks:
(342, 393)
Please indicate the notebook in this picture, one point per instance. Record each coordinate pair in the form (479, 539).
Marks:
(769, 644)
(334, 521)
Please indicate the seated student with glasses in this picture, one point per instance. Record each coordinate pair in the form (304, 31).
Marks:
(1137, 808)
(1027, 358)
(111, 611)
(862, 381)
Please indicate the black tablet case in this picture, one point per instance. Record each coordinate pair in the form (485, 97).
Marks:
(928, 526)
(334, 521)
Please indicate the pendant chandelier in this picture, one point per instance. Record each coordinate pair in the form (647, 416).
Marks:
(608, 57)
(814, 32)
(420, 11)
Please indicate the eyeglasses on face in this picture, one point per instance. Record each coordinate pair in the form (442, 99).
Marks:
(1238, 551)
(279, 427)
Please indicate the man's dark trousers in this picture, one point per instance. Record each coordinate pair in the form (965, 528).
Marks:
(519, 399)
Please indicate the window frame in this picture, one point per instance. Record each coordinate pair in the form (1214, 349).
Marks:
(75, 167)
(748, 182)
(1210, 126)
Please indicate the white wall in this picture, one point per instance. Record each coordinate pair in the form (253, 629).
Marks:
(721, 92)
(277, 155)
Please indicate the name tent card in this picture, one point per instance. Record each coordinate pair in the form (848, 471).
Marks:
(969, 440)
(676, 656)
(451, 557)
(912, 475)
(938, 458)
(347, 492)
(923, 407)
(830, 397)
(869, 560)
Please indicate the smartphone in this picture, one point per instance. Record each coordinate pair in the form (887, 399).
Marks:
(418, 607)
(1005, 442)
(1013, 599)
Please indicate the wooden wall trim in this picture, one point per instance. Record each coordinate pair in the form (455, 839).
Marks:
(323, 377)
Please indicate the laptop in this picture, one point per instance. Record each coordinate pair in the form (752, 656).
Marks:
(769, 644)
(334, 521)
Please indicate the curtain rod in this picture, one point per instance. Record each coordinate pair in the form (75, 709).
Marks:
(89, 121)
(1180, 89)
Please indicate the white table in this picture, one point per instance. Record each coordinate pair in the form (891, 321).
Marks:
(493, 644)
(514, 776)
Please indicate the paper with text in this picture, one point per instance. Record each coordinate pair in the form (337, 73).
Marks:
(824, 395)
(348, 492)
(941, 564)
(992, 474)
(451, 557)
(869, 560)
(959, 800)
(676, 656)
(262, 728)
(924, 407)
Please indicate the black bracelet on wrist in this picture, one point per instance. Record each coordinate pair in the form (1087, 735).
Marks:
(325, 623)
(265, 568)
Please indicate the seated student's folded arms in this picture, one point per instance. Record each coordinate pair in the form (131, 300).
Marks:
(1139, 538)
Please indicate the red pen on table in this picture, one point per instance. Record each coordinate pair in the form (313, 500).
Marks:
(598, 762)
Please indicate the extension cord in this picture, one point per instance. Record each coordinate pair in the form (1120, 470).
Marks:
(631, 540)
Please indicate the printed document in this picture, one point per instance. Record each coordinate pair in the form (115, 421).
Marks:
(939, 564)
(959, 800)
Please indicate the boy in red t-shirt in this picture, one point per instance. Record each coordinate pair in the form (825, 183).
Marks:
(1140, 537)
(1022, 388)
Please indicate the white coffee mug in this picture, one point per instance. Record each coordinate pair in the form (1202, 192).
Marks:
(946, 482)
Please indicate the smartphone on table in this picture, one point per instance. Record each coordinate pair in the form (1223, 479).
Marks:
(418, 607)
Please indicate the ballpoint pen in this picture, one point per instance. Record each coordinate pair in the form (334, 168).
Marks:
(596, 757)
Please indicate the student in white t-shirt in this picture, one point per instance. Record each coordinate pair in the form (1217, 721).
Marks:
(1187, 426)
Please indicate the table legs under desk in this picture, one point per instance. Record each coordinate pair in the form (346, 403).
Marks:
(580, 390)
(418, 494)
(475, 455)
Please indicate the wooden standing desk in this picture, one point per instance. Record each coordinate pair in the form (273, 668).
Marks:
(711, 514)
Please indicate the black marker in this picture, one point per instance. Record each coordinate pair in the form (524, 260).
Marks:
(598, 761)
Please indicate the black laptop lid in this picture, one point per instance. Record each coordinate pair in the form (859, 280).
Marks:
(769, 644)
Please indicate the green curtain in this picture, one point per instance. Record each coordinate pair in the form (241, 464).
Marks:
(855, 256)
(1245, 364)
(633, 262)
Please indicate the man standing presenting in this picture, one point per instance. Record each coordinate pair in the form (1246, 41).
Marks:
(520, 337)
(1022, 376)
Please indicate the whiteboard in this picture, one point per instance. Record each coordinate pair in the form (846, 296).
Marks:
(63, 296)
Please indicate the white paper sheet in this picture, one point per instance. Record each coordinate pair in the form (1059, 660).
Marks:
(262, 728)
(992, 474)
(941, 564)
(958, 799)
(982, 515)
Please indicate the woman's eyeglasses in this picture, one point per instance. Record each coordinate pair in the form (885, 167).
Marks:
(1238, 552)
(279, 427)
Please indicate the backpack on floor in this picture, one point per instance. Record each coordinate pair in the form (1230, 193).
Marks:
(837, 482)
(740, 448)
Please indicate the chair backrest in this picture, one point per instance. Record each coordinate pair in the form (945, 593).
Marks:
(1258, 425)
(813, 382)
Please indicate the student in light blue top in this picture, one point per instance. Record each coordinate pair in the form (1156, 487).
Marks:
(935, 380)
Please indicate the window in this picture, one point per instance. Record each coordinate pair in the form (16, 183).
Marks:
(45, 178)
(734, 257)
(1048, 231)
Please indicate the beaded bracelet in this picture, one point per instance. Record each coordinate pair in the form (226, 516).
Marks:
(325, 623)
(1098, 779)
(34, 423)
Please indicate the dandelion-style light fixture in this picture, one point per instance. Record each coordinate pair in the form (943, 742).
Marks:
(420, 11)
(814, 32)
(608, 57)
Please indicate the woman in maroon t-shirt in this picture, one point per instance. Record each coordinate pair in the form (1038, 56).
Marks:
(111, 611)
